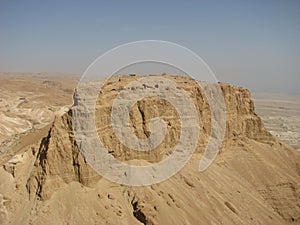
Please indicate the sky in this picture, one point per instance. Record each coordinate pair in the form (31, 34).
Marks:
(255, 44)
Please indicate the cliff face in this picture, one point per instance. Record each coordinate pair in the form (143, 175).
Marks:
(241, 121)
(254, 179)
(58, 161)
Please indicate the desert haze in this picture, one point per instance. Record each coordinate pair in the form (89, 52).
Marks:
(44, 179)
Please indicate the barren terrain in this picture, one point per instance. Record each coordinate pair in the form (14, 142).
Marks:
(255, 179)
(29, 102)
(281, 115)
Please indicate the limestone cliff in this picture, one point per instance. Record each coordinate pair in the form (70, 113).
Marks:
(254, 179)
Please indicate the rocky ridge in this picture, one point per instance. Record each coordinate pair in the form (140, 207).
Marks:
(254, 179)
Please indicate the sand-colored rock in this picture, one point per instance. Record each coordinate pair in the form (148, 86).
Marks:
(255, 178)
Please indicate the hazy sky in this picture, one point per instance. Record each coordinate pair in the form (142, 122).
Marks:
(255, 44)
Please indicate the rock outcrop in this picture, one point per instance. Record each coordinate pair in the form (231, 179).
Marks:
(254, 179)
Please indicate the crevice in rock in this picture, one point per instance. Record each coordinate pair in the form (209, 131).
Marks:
(76, 166)
(141, 110)
(10, 169)
(231, 207)
(137, 213)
